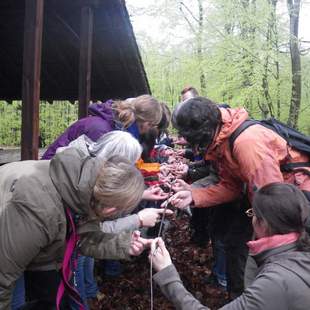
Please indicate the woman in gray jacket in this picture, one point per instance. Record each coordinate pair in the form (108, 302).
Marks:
(281, 250)
(35, 198)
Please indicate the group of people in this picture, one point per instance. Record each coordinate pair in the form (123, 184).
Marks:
(91, 194)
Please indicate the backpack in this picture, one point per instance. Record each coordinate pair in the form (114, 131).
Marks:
(294, 138)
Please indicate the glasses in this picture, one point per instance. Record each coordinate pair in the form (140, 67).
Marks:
(249, 212)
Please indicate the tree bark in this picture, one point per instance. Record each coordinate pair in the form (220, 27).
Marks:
(293, 10)
(203, 84)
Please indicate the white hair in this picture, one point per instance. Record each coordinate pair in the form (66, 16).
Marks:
(116, 143)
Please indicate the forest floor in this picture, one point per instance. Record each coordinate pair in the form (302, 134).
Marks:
(131, 290)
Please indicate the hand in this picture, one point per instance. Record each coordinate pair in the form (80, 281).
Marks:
(181, 170)
(181, 141)
(180, 185)
(154, 193)
(150, 216)
(168, 152)
(159, 255)
(181, 152)
(138, 244)
(181, 199)
(164, 169)
(171, 159)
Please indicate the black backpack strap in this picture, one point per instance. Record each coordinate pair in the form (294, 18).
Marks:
(246, 124)
(296, 167)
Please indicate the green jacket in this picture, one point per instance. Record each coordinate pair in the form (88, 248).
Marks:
(33, 225)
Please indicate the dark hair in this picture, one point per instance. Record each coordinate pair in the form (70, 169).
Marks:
(165, 119)
(197, 119)
(285, 209)
(147, 141)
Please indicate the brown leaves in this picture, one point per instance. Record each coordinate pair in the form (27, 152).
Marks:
(131, 291)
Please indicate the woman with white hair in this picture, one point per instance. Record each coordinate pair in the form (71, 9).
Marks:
(113, 143)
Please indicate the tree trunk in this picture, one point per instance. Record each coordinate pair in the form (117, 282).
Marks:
(293, 9)
(203, 84)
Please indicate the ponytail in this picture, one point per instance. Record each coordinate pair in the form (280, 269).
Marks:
(125, 112)
(141, 109)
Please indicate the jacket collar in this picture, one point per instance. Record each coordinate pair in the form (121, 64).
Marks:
(231, 120)
(264, 248)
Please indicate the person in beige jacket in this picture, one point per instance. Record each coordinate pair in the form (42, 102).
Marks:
(33, 225)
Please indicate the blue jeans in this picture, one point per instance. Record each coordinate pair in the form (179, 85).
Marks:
(112, 268)
(84, 280)
(18, 297)
(219, 267)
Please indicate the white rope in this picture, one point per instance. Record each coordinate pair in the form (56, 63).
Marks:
(166, 203)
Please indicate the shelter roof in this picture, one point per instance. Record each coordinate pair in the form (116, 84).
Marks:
(117, 68)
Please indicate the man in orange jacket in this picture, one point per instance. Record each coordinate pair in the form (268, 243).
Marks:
(253, 161)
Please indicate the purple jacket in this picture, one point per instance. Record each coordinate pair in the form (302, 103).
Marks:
(99, 122)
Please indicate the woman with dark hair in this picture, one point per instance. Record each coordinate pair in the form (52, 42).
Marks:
(281, 250)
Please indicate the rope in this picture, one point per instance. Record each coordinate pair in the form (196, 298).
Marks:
(166, 203)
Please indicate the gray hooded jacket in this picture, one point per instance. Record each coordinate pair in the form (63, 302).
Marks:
(33, 225)
(283, 283)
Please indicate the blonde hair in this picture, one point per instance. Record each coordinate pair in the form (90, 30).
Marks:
(119, 184)
(142, 109)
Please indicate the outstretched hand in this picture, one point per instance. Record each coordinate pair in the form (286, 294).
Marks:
(154, 193)
(159, 255)
(181, 199)
(180, 185)
(138, 244)
(150, 216)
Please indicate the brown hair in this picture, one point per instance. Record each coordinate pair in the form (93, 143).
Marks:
(165, 119)
(119, 184)
(284, 208)
(191, 89)
(144, 108)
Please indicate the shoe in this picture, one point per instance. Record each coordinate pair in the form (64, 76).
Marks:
(212, 280)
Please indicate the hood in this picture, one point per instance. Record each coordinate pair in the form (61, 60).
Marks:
(74, 175)
(298, 263)
(287, 256)
(103, 110)
(231, 120)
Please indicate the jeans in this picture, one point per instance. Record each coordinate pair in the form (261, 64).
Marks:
(18, 298)
(84, 280)
(219, 267)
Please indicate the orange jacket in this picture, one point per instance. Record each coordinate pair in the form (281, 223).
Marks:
(258, 153)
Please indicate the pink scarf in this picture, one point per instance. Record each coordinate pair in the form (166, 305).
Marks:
(266, 243)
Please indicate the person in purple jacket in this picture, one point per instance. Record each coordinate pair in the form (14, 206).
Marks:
(136, 115)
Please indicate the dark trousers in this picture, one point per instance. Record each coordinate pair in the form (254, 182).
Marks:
(229, 224)
(200, 225)
(41, 290)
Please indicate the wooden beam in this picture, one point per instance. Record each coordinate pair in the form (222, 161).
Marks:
(86, 40)
(31, 78)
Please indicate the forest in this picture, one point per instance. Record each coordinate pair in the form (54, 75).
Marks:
(242, 52)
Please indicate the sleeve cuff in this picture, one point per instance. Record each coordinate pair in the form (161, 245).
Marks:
(167, 275)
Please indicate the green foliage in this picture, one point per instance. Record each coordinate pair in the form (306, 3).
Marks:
(237, 48)
(54, 119)
(243, 41)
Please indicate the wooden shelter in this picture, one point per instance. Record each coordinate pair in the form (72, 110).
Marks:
(66, 50)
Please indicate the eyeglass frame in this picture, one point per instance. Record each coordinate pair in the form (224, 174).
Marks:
(250, 212)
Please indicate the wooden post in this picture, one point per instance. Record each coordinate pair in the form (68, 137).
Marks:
(86, 40)
(31, 78)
